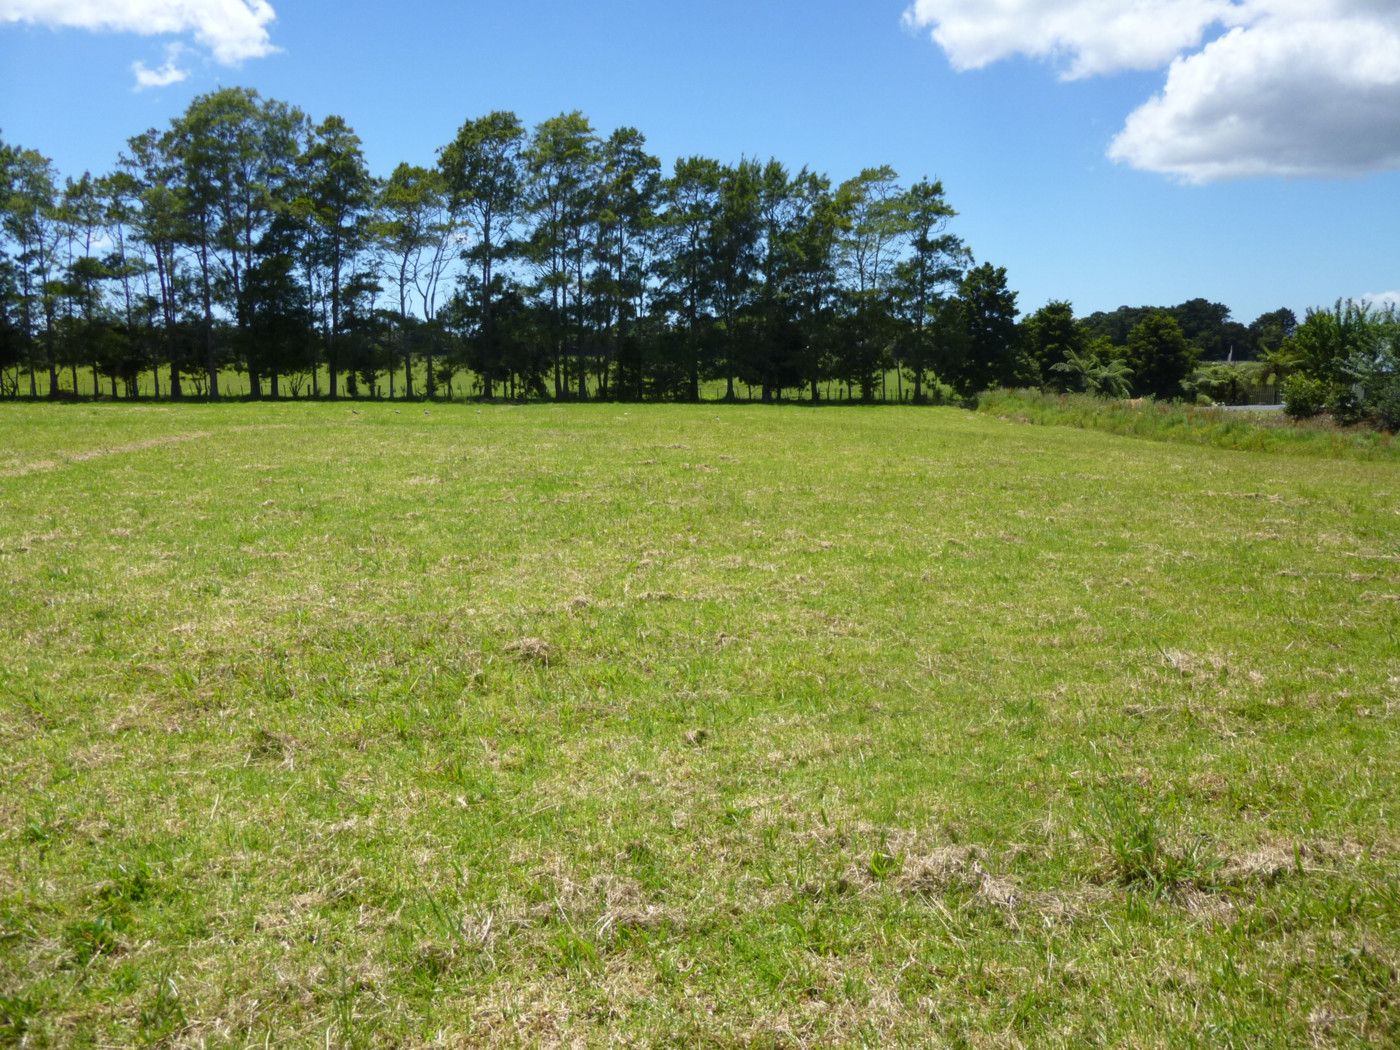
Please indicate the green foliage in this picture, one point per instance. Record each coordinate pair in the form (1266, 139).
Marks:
(1328, 339)
(982, 345)
(1383, 399)
(1345, 404)
(1228, 384)
(1346, 361)
(1205, 325)
(1269, 331)
(1094, 370)
(246, 242)
(1160, 357)
(1372, 367)
(1052, 337)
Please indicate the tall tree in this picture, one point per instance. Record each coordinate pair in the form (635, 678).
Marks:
(278, 334)
(988, 354)
(483, 173)
(337, 198)
(412, 206)
(31, 219)
(868, 251)
(734, 257)
(772, 351)
(118, 193)
(691, 211)
(159, 222)
(628, 182)
(83, 217)
(560, 161)
(814, 244)
(934, 265)
(237, 153)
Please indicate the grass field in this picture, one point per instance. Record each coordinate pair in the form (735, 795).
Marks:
(461, 725)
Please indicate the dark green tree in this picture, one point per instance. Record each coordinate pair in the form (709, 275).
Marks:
(986, 353)
(1160, 356)
(1051, 336)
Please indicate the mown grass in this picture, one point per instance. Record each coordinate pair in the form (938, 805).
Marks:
(376, 724)
(1193, 425)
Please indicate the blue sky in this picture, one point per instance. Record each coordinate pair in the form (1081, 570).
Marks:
(838, 85)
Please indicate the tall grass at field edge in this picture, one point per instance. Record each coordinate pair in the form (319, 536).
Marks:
(1190, 424)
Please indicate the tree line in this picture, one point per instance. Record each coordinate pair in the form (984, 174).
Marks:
(549, 262)
(546, 262)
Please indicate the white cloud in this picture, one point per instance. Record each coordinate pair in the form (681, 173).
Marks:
(1292, 87)
(1092, 36)
(169, 73)
(1383, 300)
(231, 30)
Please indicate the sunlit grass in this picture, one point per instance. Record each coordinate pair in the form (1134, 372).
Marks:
(397, 724)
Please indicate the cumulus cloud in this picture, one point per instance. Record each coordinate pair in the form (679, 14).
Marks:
(1383, 300)
(169, 73)
(230, 30)
(1254, 87)
(1086, 37)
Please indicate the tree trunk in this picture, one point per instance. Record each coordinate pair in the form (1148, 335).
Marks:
(209, 365)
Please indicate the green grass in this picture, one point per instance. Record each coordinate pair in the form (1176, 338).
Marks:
(391, 725)
(1193, 425)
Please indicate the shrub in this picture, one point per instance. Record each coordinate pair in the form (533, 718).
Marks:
(1346, 406)
(1385, 403)
(1303, 396)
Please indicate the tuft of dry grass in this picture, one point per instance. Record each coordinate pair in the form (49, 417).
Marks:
(531, 650)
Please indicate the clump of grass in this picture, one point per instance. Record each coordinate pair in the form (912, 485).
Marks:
(1142, 849)
(17, 1014)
